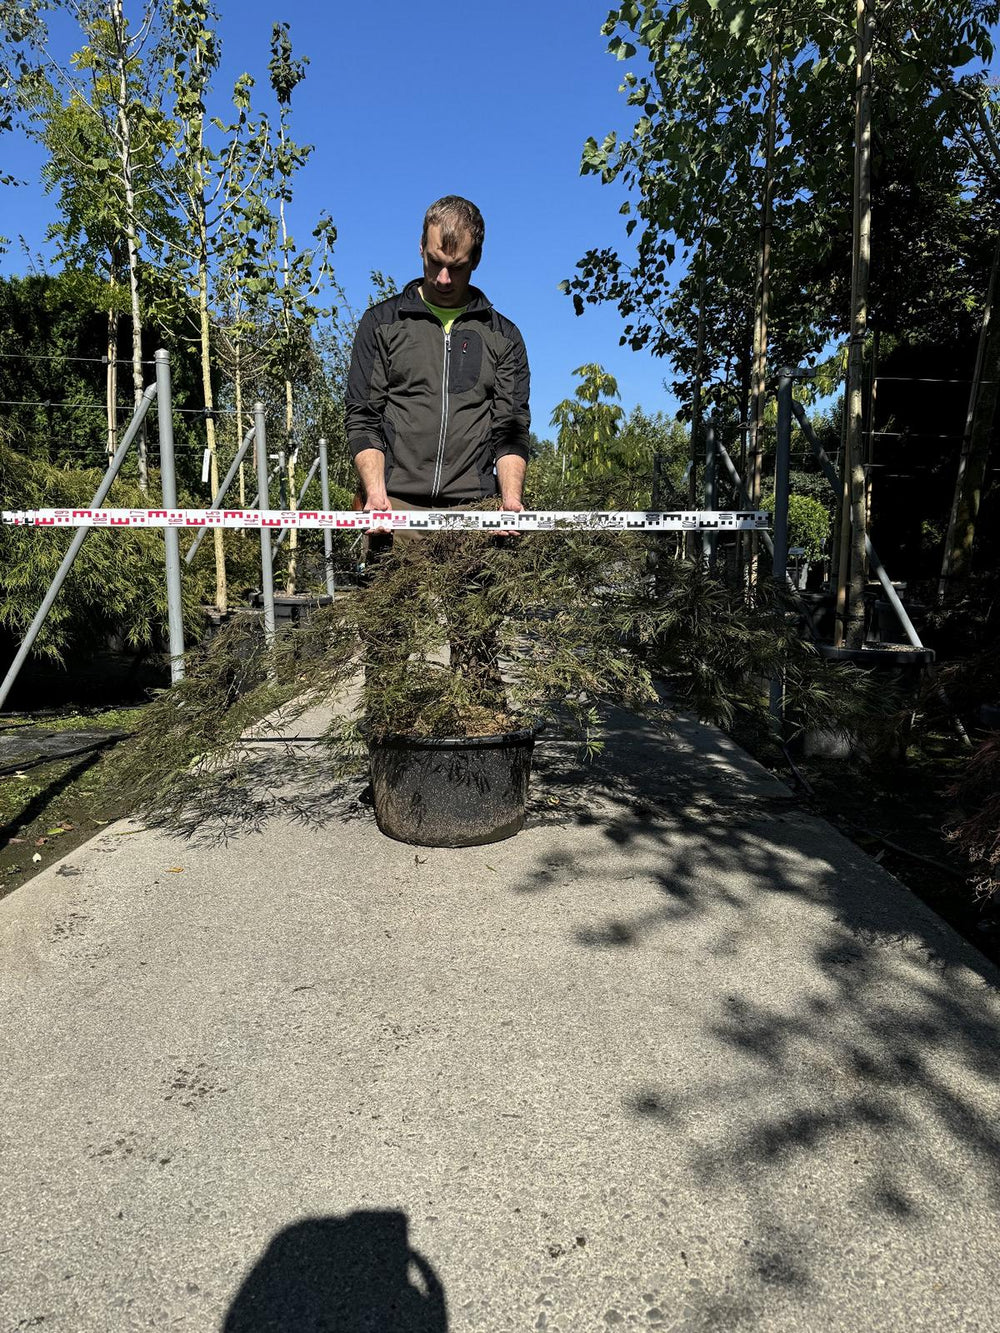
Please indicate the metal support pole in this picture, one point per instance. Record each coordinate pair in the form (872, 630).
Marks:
(171, 537)
(711, 492)
(779, 519)
(302, 495)
(220, 494)
(266, 572)
(782, 465)
(324, 483)
(59, 577)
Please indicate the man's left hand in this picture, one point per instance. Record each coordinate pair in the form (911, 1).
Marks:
(511, 506)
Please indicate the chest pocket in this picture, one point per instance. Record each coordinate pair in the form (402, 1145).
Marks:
(466, 359)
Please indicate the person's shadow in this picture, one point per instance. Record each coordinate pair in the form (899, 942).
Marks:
(353, 1274)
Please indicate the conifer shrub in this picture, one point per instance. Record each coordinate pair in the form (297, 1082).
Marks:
(573, 619)
(977, 829)
(117, 586)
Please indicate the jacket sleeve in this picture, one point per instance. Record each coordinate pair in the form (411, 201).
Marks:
(511, 414)
(367, 383)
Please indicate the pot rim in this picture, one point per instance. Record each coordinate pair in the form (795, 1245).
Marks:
(402, 741)
(902, 654)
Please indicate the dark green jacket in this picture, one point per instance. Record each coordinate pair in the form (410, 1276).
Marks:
(442, 408)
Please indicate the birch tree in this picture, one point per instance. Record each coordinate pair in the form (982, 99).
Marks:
(99, 120)
(216, 166)
(298, 274)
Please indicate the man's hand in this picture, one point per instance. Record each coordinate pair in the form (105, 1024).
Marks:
(370, 464)
(510, 473)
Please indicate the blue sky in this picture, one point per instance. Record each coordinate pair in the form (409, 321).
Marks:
(406, 102)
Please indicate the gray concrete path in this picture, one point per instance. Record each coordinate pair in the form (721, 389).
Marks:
(676, 1057)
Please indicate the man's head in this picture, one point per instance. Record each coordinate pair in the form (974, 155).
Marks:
(450, 246)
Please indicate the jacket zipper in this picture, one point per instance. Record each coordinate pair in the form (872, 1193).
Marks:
(436, 485)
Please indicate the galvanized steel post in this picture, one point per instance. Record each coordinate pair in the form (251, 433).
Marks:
(782, 466)
(324, 482)
(171, 537)
(264, 501)
(711, 492)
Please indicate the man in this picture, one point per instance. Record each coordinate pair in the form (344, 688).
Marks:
(437, 395)
(437, 417)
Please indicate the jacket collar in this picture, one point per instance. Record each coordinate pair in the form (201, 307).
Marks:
(410, 302)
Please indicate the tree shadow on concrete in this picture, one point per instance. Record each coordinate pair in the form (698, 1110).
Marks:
(298, 780)
(853, 1038)
(352, 1274)
(292, 781)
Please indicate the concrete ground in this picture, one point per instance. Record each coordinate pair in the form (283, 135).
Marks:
(676, 1057)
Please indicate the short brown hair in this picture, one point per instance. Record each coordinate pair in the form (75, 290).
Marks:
(456, 216)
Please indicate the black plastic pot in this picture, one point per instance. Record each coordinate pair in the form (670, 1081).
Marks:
(904, 664)
(902, 669)
(454, 792)
(293, 607)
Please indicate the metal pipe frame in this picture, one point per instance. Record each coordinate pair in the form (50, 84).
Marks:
(324, 483)
(830, 472)
(171, 537)
(59, 578)
(264, 500)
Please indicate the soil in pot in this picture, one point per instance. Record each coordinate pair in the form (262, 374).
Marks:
(460, 792)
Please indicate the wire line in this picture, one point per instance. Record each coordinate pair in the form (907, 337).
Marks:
(89, 360)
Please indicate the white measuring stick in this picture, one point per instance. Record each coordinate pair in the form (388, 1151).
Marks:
(403, 520)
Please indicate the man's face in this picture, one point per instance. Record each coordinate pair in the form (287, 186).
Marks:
(447, 273)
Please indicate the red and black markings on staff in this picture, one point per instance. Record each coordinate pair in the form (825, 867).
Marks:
(448, 520)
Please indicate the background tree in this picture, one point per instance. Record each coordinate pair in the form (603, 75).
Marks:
(588, 423)
(22, 40)
(982, 135)
(703, 160)
(297, 274)
(99, 122)
(210, 177)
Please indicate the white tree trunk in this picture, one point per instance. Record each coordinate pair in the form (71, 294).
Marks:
(131, 231)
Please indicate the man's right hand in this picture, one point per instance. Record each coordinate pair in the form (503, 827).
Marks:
(370, 464)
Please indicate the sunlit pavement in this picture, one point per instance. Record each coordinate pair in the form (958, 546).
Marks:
(678, 1056)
